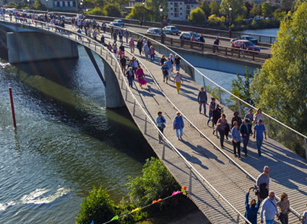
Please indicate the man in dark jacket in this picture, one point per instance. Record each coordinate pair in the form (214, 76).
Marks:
(237, 119)
(245, 130)
(202, 100)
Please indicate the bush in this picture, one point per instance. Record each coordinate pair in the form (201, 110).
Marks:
(240, 20)
(96, 207)
(156, 182)
(112, 9)
(197, 16)
(96, 11)
(139, 11)
(39, 6)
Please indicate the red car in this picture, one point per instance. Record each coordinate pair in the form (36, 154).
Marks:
(247, 45)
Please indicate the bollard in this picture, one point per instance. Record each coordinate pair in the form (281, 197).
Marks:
(12, 106)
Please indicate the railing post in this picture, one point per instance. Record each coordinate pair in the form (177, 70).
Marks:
(134, 108)
(239, 106)
(305, 143)
(126, 93)
(145, 128)
(268, 127)
(190, 184)
(163, 151)
(204, 83)
(238, 218)
(220, 95)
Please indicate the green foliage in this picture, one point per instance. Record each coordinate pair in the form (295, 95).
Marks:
(236, 5)
(214, 7)
(197, 16)
(279, 14)
(248, 7)
(266, 9)
(21, 4)
(239, 20)
(205, 7)
(96, 207)
(39, 6)
(280, 87)
(153, 7)
(256, 10)
(96, 11)
(95, 3)
(286, 5)
(112, 9)
(156, 182)
(215, 20)
(139, 11)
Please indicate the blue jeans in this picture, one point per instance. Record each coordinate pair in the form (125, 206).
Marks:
(259, 144)
(130, 79)
(177, 67)
(177, 132)
(152, 56)
(204, 105)
(245, 142)
(269, 221)
(209, 119)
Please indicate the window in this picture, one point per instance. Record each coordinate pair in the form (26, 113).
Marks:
(55, 4)
(61, 4)
(181, 14)
(176, 14)
(171, 9)
(171, 14)
(176, 4)
(66, 4)
(171, 3)
(180, 8)
(176, 10)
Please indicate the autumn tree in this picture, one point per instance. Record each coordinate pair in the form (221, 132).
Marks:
(214, 7)
(205, 7)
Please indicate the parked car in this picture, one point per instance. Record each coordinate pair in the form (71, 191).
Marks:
(155, 31)
(119, 21)
(248, 45)
(187, 35)
(171, 30)
(245, 37)
(115, 25)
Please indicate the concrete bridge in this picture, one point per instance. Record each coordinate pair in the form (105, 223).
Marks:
(217, 181)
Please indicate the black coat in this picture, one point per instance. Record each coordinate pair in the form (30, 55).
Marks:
(243, 130)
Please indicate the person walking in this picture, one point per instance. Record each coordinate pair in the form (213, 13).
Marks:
(216, 43)
(164, 69)
(263, 183)
(236, 139)
(131, 45)
(178, 80)
(221, 126)
(152, 53)
(236, 118)
(169, 65)
(304, 218)
(250, 116)
(126, 35)
(177, 63)
(251, 210)
(162, 60)
(284, 207)
(269, 209)
(146, 51)
(202, 100)
(102, 40)
(123, 63)
(258, 116)
(115, 50)
(212, 107)
(130, 75)
(178, 125)
(259, 129)
(245, 130)
(139, 46)
(140, 76)
(161, 121)
(242, 47)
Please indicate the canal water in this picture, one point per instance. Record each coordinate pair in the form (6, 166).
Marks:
(66, 141)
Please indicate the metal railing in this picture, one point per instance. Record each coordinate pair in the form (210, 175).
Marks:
(100, 49)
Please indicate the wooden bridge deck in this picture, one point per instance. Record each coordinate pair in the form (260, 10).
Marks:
(288, 171)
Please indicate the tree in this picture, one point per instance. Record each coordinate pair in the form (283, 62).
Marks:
(96, 207)
(286, 5)
(39, 6)
(256, 10)
(236, 5)
(112, 9)
(153, 6)
(279, 14)
(197, 16)
(266, 9)
(139, 11)
(205, 7)
(280, 87)
(214, 7)
(248, 7)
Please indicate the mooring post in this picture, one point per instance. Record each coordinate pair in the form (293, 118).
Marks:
(12, 106)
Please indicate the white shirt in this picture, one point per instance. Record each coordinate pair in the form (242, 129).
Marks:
(269, 208)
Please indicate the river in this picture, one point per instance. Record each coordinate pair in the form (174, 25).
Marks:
(66, 141)
(265, 32)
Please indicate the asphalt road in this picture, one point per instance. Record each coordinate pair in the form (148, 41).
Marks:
(208, 40)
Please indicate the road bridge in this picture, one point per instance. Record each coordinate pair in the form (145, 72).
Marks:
(216, 180)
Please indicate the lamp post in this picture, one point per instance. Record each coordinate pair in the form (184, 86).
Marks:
(29, 4)
(81, 4)
(229, 20)
(161, 12)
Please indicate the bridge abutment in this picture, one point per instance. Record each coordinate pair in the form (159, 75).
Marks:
(114, 98)
(34, 46)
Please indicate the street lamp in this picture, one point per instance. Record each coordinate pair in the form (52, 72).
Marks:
(143, 2)
(229, 20)
(161, 12)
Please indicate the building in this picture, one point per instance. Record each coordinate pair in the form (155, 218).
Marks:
(132, 3)
(62, 5)
(180, 9)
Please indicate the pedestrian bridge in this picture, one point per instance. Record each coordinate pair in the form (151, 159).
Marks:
(217, 181)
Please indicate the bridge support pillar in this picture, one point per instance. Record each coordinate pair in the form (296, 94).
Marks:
(113, 94)
(35, 46)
